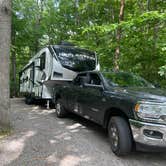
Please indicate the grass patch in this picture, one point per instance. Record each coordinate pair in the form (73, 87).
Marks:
(5, 132)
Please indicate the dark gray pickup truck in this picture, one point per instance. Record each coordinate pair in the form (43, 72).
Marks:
(131, 109)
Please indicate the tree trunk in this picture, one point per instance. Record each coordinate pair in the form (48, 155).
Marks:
(13, 64)
(5, 34)
(148, 5)
(14, 81)
(155, 33)
(40, 4)
(118, 36)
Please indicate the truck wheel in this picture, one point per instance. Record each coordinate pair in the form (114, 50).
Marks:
(60, 110)
(120, 136)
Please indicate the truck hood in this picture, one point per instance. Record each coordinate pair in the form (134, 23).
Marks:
(142, 94)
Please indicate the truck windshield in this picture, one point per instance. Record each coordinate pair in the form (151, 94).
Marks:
(123, 79)
(76, 59)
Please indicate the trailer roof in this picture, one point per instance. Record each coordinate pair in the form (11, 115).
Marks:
(60, 46)
(72, 47)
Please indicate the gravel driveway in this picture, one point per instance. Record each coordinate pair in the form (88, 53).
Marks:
(40, 139)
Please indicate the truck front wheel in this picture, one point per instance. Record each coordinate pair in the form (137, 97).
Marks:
(120, 136)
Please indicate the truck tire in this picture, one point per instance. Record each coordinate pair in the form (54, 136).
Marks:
(119, 136)
(60, 110)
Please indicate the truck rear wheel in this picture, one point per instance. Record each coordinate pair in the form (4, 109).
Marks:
(60, 110)
(120, 136)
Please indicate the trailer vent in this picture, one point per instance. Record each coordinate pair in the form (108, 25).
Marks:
(56, 74)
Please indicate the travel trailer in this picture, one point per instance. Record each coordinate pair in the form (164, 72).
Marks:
(51, 65)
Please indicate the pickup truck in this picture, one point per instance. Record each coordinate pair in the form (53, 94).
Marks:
(130, 108)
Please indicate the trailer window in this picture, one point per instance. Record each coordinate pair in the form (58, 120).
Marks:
(76, 59)
(42, 61)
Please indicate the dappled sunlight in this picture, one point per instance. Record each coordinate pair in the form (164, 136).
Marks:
(61, 122)
(53, 141)
(42, 139)
(70, 160)
(35, 107)
(43, 111)
(32, 117)
(62, 135)
(74, 126)
(51, 159)
(73, 160)
(67, 138)
(74, 131)
(67, 160)
(11, 149)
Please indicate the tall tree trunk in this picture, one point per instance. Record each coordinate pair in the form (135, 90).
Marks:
(148, 5)
(13, 64)
(40, 4)
(118, 36)
(13, 79)
(77, 19)
(155, 33)
(5, 34)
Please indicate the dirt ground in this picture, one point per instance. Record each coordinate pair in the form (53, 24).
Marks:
(41, 139)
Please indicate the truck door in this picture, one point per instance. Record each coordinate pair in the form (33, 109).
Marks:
(73, 94)
(39, 74)
(91, 99)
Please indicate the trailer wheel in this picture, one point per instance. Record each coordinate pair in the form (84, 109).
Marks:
(60, 110)
(120, 136)
(29, 100)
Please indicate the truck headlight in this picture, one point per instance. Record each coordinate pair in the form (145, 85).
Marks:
(151, 111)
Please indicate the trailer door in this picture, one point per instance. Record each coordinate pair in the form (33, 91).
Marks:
(32, 75)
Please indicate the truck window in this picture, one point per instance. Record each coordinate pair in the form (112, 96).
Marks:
(95, 79)
(80, 79)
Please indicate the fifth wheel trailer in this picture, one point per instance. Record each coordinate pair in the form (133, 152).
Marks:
(53, 64)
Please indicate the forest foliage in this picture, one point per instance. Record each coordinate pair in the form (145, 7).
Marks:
(93, 24)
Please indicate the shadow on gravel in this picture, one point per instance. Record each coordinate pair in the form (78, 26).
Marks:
(98, 131)
(41, 139)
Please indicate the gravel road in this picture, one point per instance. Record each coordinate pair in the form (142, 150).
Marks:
(41, 139)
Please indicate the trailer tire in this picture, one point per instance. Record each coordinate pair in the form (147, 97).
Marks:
(29, 100)
(60, 110)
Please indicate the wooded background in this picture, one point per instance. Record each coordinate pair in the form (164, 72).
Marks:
(128, 35)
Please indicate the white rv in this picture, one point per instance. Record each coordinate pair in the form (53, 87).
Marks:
(52, 64)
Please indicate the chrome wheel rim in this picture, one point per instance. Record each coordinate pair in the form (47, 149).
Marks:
(114, 136)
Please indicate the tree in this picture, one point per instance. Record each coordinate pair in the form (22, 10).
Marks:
(134, 41)
(5, 34)
(118, 36)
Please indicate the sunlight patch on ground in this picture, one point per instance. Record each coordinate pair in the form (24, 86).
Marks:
(67, 160)
(11, 149)
(62, 136)
(70, 160)
(42, 112)
(74, 126)
(52, 158)
(53, 141)
(61, 123)
(74, 131)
